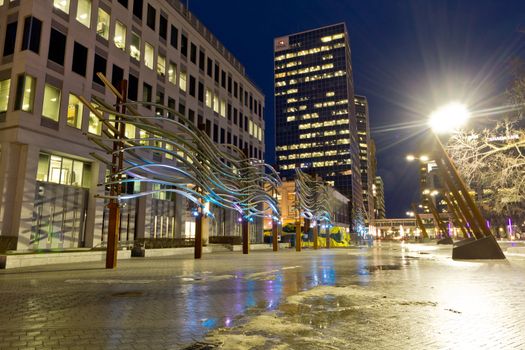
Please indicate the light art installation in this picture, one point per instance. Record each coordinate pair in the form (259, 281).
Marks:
(180, 157)
(314, 198)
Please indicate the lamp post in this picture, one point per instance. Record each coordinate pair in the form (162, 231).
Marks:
(483, 246)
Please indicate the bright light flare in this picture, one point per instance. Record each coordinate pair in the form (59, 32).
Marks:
(449, 118)
(411, 157)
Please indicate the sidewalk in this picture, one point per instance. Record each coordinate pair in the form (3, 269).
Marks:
(380, 298)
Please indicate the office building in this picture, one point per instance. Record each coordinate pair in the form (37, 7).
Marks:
(314, 108)
(379, 198)
(51, 50)
(365, 154)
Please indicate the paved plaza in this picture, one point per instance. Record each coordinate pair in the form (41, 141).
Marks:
(384, 297)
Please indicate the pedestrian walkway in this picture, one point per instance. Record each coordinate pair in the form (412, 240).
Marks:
(383, 297)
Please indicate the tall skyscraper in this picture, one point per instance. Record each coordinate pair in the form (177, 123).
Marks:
(314, 107)
(51, 50)
(365, 154)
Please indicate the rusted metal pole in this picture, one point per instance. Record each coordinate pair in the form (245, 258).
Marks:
(441, 226)
(327, 236)
(198, 235)
(316, 234)
(457, 196)
(457, 214)
(117, 161)
(478, 217)
(275, 236)
(420, 222)
(298, 235)
(245, 238)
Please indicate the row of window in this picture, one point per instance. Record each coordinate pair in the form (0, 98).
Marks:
(307, 79)
(317, 154)
(311, 51)
(63, 170)
(323, 164)
(120, 40)
(79, 66)
(308, 145)
(51, 103)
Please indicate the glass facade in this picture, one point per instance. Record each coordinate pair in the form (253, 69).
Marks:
(314, 107)
(363, 134)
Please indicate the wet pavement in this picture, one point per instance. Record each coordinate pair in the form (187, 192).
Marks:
(385, 297)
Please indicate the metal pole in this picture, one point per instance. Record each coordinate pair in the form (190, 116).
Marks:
(298, 235)
(463, 189)
(457, 214)
(117, 160)
(245, 238)
(275, 236)
(442, 228)
(327, 236)
(457, 196)
(420, 222)
(198, 234)
(316, 233)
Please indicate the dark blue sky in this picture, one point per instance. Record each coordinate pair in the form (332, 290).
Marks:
(408, 58)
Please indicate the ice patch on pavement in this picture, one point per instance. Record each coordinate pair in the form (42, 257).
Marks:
(324, 317)
(265, 275)
(206, 278)
(110, 281)
(239, 341)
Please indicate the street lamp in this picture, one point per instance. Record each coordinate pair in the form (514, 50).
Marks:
(423, 158)
(447, 119)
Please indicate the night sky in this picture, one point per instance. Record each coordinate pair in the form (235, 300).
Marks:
(408, 58)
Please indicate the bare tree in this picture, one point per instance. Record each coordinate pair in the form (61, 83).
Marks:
(492, 161)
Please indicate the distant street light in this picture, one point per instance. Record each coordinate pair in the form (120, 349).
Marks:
(422, 158)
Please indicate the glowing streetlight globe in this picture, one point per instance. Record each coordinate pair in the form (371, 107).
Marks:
(449, 118)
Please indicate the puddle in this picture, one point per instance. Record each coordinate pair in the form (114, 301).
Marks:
(128, 294)
(386, 267)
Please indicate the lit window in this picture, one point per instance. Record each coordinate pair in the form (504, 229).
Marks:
(148, 55)
(62, 5)
(94, 124)
(4, 94)
(84, 12)
(161, 65)
(216, 103)
(64, 171)
(51, 103)
(143, 135)
(182, 80)
(223, 108)
(120, 36)
(103, 24)
(172, 73)
(74, 112)
(130, 131)
(209, 98)
(134, 48)
(25, 93)
(169, 147)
